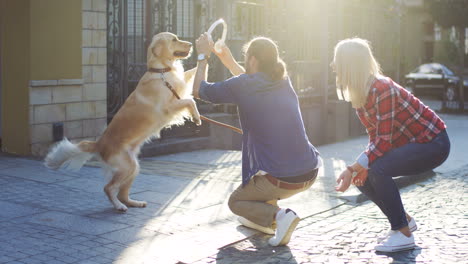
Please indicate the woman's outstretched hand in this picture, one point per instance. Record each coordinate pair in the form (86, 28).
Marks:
(360, 179)
(343, 181)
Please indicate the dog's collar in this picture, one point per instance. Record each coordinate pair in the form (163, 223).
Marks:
(164, 70)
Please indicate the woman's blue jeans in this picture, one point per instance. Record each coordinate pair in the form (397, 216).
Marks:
(410, 159)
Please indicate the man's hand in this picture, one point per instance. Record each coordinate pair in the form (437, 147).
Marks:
(225, 52)
(343, 181)
(204, 44)
(228, 60)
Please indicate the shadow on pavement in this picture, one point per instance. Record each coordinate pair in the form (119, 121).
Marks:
(254, 249)
(407, 256)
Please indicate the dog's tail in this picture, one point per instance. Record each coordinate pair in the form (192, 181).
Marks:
(70, 156)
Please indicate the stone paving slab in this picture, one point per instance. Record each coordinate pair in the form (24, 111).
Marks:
(12, 210)
(347, 234)
(132, 234)
(38, 174)
(187, 217)
(75, 223)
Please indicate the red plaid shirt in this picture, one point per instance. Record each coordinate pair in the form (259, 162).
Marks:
(393, 117)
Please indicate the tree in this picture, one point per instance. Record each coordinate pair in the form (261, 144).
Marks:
(453, 13)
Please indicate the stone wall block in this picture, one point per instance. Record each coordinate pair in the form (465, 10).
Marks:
(73, 129)
(89, 20)
(66, 94)
(87, 38)
(99, 74)
(99, 5)
(87, 5)
(95, 91)
(40, 149)
(102, 56)
(101, 109)
(40, 95)
(49, 113)
(90, 56)
(41, 133)
(99, 38)
(94, 127)
(31, 114)
(77, 111)
(88, 74)
(101, 20)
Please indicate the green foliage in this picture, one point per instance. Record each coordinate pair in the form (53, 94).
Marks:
(449, 13)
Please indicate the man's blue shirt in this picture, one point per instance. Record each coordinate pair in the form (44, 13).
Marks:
(274, 138)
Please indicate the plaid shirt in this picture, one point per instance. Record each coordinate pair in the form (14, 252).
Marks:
(393, 117)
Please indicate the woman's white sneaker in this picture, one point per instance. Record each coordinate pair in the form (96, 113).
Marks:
(411, 225)
(246, 222)
(396, 241)
(286, 222)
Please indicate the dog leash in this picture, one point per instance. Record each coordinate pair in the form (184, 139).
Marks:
(169, 86)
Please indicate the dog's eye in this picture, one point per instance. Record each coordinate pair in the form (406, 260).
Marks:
(174, 39)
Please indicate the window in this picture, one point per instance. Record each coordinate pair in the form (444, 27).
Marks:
(447, 71)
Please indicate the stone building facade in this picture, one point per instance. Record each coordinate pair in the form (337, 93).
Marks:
(66, 88)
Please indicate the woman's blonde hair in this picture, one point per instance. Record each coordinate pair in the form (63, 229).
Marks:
(355, 68)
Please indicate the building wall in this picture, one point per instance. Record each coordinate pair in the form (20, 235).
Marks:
(75, 101)
(15, 60)
(53, 72)
(55, 39)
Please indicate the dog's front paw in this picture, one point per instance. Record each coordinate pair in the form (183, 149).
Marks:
(197, 121)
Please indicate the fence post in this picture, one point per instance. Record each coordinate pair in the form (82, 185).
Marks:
(324, 66)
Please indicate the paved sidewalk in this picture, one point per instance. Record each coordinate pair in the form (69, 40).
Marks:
(347, 234)
(64, 217)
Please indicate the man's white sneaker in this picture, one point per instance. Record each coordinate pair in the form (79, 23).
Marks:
(411, 225)
(396, 241)
(246, 222)
(286, 222)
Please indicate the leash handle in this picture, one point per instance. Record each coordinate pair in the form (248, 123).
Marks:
(220, 42)
(235, 129)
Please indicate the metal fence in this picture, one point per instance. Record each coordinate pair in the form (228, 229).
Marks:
(306, 31)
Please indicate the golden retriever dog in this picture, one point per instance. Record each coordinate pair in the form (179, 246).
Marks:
(149, 108)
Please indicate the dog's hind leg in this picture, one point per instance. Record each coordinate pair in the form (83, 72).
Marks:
(112, 189)
(123, 168)
(124, 191)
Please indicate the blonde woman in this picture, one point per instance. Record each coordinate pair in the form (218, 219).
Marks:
(405, 137)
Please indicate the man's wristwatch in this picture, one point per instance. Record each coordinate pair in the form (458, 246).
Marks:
(202, 57)
(354, 173)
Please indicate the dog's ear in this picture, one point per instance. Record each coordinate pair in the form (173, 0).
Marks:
(155, 49)
(158, 47)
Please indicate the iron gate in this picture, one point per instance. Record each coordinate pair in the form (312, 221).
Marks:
(131, 26)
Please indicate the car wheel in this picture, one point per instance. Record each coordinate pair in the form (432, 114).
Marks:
(450, 94)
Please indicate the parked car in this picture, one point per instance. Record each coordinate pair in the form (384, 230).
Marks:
(434, 78)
